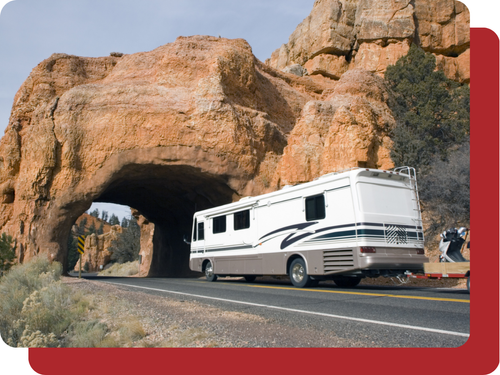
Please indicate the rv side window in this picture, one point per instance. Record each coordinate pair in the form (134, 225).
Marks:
(201, 231)
(242, 220)
(315, 208)
(219, 225)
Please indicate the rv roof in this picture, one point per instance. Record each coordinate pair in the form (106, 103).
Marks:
(247, 202)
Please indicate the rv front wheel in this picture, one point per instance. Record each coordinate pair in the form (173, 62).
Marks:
(209, 272)
(298, 274)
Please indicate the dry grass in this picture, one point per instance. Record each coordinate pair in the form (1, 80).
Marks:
(122, 269)
(38, 309)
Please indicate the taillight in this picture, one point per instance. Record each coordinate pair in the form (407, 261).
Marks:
(365, 250)
(420, 251)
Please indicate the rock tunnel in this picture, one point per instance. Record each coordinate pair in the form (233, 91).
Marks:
(167, 196)
(165, 190)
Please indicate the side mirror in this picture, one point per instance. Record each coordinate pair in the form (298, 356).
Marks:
(185, 240)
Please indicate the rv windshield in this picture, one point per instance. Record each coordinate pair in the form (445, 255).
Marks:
(385, 199)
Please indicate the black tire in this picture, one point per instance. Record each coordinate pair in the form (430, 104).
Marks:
(298, 274)
(468, 284)
(346, 281)
(209, 272)
(250, 278)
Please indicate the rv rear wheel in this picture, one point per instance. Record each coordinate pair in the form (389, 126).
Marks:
(298, 274)
(209, 272)
(346, 281)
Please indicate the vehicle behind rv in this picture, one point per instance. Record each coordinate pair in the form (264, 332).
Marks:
(343, 226)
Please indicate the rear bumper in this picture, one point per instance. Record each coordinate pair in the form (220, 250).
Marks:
(385, 261)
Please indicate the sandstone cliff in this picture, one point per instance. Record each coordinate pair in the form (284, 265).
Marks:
(340, 35)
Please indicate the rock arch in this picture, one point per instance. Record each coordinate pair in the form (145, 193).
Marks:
(166, 185)
(192, 124)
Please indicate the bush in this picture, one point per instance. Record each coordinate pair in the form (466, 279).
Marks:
(7, 253)
(121, 269)
(445, 190)
(87, 334)
(37, 308)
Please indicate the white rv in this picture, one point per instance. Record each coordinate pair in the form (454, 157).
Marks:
(342, 226)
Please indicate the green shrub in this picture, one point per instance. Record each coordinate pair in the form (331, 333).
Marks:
(87, 334)
(37, 308)
(7, 253)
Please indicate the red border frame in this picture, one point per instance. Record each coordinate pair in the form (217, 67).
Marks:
(479, 355)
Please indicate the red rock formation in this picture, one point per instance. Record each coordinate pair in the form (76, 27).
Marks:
(185, 126)
(372, 34)
(201, 122)
(97, 250)
(347, 128)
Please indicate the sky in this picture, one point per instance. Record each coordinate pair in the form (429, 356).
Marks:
(32, 30)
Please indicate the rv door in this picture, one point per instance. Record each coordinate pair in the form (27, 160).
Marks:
(198, 236)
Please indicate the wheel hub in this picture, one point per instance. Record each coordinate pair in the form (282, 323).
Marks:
(298, 273)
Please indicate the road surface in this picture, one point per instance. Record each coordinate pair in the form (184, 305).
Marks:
(387, 316)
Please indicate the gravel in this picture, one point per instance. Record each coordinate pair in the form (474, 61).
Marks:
(171, 322)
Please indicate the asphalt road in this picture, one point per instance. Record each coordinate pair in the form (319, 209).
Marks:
(387, 316)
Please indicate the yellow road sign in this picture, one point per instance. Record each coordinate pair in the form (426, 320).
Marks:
(81, 244)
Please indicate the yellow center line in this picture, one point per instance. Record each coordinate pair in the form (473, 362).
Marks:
(364, 294)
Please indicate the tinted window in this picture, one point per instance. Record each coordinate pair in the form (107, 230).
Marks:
(201, 231)
(242, 220)
(219, 224)
(315, 207)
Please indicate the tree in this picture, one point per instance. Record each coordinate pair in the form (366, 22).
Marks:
(432, 134)
(104, 215)
(100, 230)
(113, 220)
(128, 244)
(73, 254)
(7, 253)
(431, 111)
(95, 213)
(125, 222)
(92, 229)
(82, 227)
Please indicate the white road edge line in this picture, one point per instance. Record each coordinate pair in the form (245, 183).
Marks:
(303, 311)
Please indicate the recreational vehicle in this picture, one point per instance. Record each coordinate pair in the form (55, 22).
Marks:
(342, 226)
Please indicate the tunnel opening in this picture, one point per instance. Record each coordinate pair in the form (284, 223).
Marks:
(105, 234)
(167, 196)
